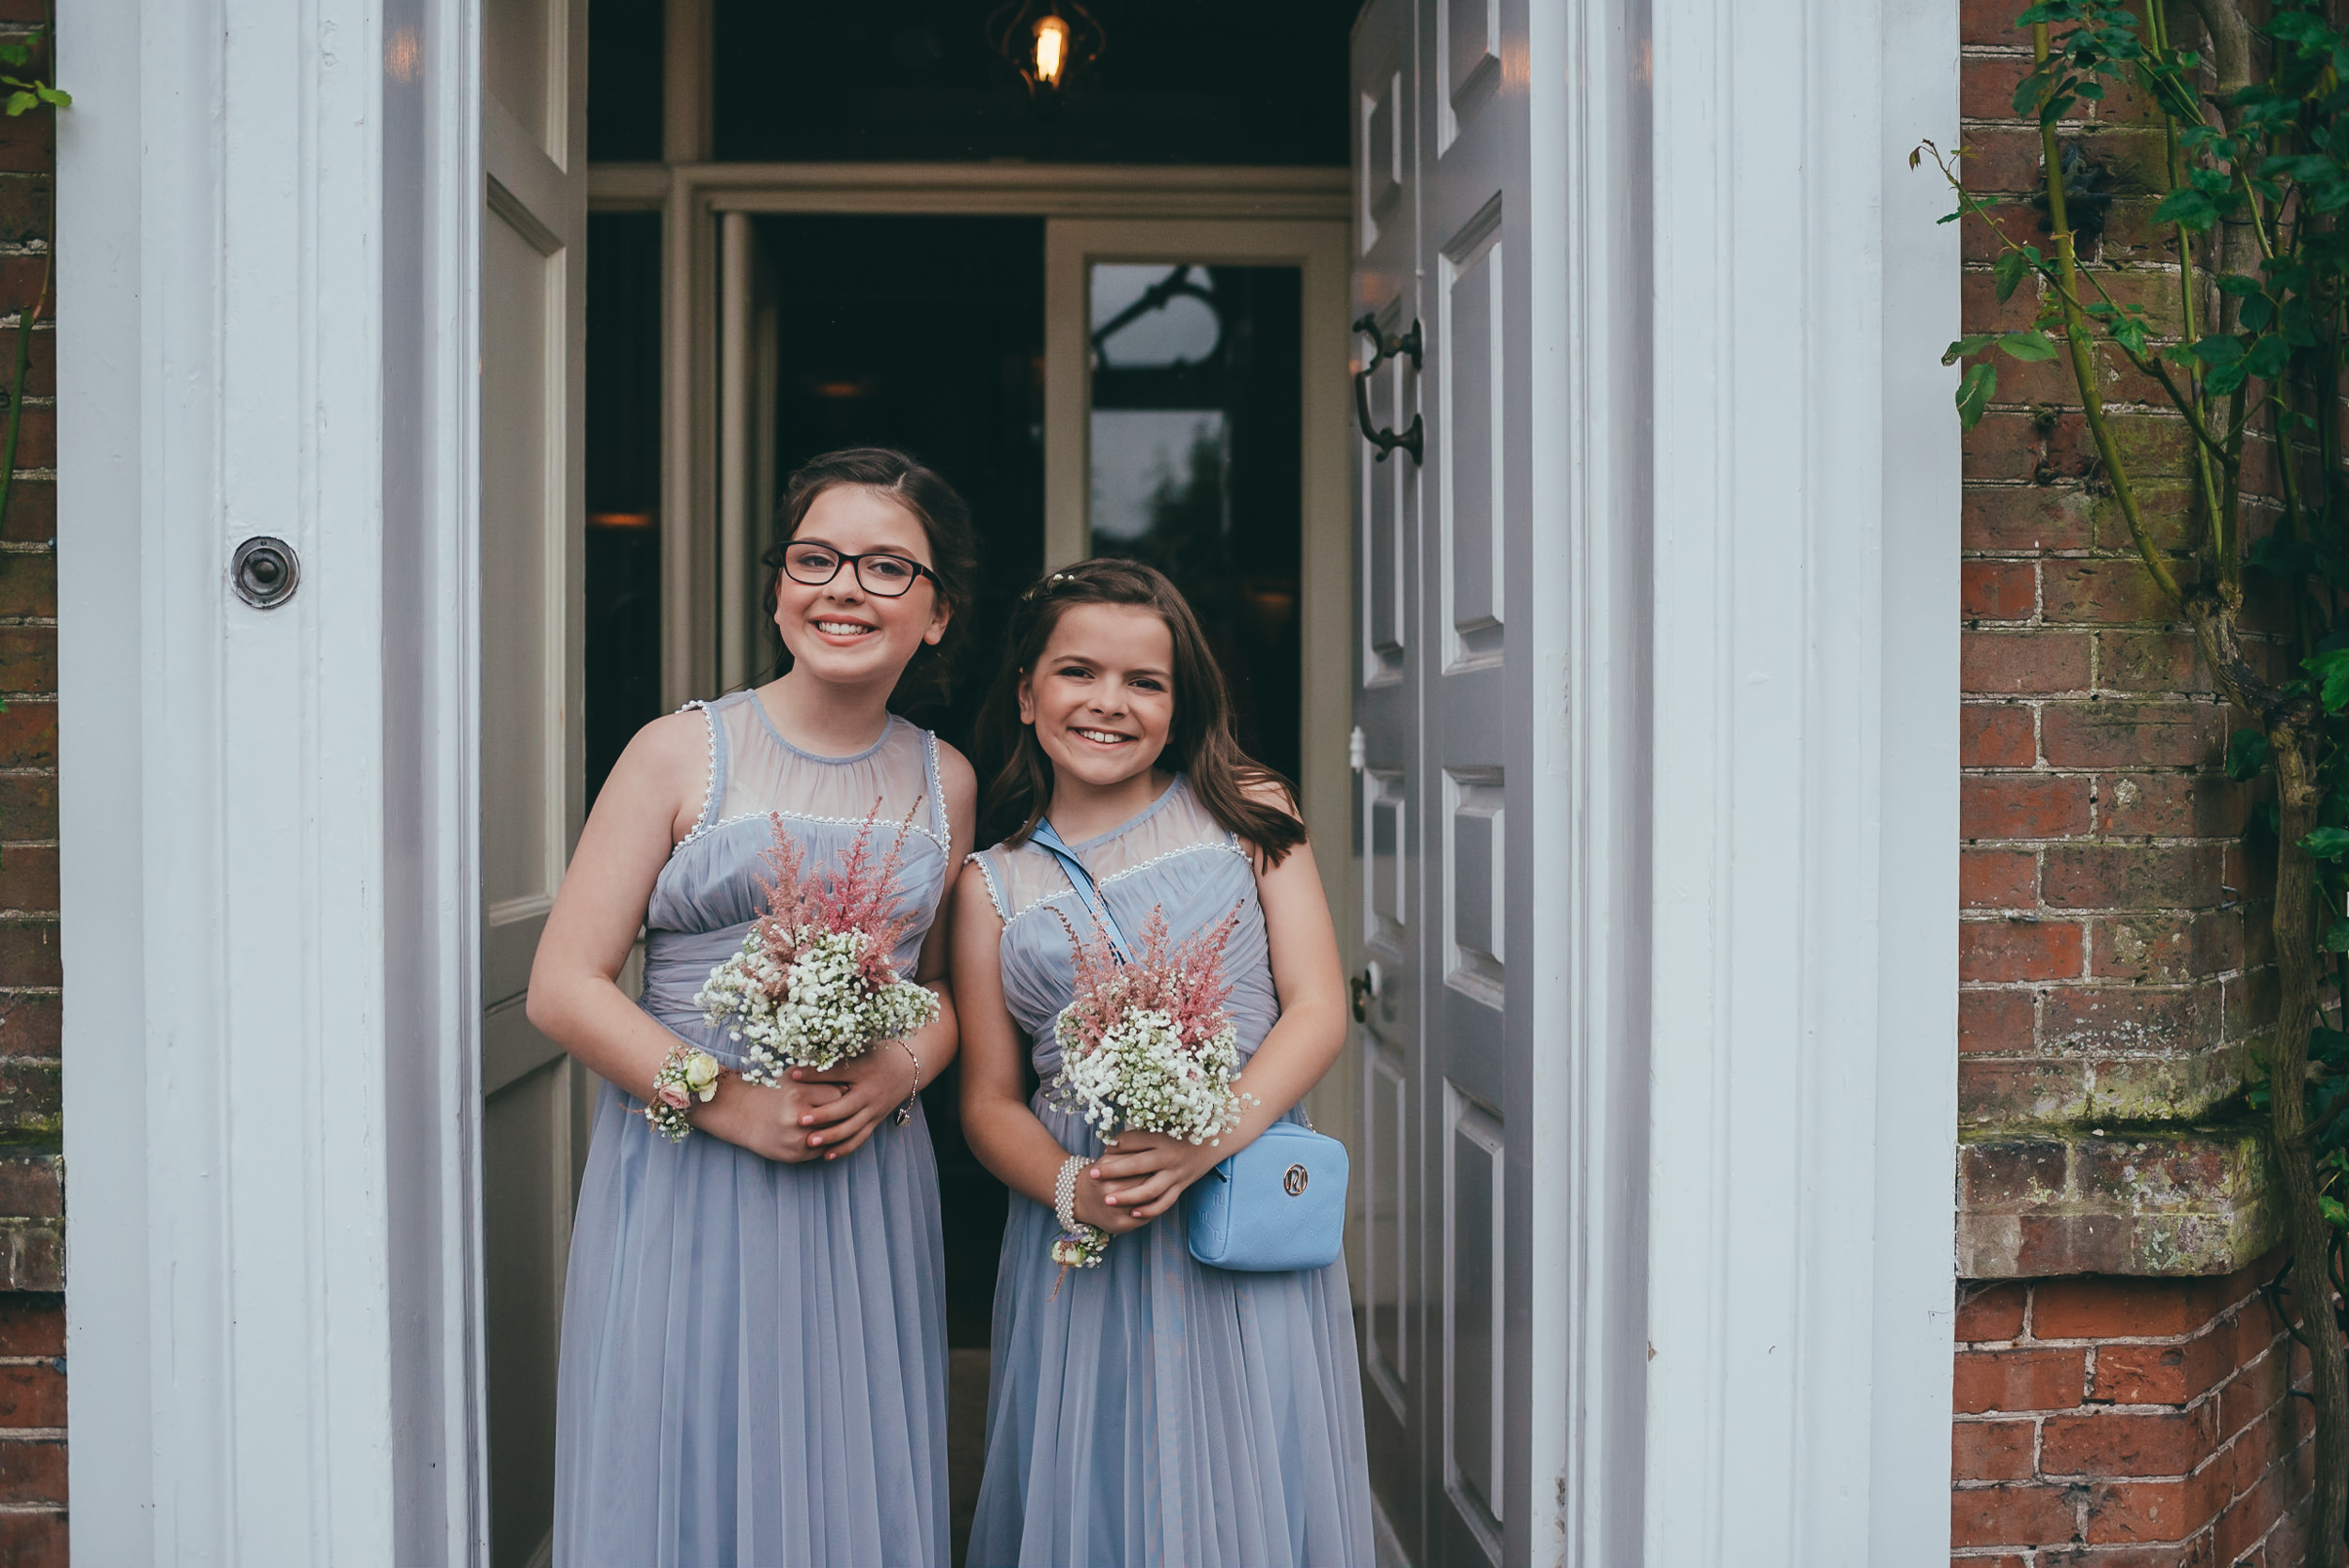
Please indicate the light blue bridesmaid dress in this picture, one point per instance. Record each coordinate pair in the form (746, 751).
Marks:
(754, 1358)
(1158, 1410)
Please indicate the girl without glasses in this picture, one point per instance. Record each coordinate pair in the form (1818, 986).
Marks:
(1149, 1409)
(753, 1353)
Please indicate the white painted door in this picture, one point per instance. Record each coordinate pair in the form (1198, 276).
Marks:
(533, 145)
(749, 344)
(1446, 712)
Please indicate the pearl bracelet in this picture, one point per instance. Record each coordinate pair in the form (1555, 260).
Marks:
(1078, 1245)
(905, 1111)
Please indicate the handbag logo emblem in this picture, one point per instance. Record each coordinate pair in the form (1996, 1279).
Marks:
(1293, 1182)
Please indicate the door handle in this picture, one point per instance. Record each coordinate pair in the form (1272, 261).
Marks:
(1386, 347)
(1361, 987)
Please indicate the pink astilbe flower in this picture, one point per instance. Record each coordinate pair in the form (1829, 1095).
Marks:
(1184, 980)
(861, 896)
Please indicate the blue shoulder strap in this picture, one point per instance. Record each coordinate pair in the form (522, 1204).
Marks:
(1046, 839)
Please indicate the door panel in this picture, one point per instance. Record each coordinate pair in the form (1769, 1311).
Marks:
(1444, 710)
(531, 574)
(1389, 834)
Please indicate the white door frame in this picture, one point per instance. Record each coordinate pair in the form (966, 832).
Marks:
(268, 817)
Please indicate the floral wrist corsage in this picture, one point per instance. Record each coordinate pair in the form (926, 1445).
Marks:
(1078, 1245)
(686, 1076)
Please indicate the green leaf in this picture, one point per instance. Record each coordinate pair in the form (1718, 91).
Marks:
(2333, 674)
(2029, 346)
(2326, 844)
(2247, 754)
(2336, 1214)
(1974, 392)
(2267, 358)
(2218, 348)
(2009, 271)
(1967, 347)
(57, 96)
(2337, 939)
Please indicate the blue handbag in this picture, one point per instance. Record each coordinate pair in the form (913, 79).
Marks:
(1279, 1204)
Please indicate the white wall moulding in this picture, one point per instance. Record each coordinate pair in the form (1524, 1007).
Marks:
(1803, 810)
(266, 824)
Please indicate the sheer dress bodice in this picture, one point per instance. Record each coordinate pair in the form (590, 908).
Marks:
(1175, 859)
(707, 895)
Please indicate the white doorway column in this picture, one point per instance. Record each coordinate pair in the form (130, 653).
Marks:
(268, 211)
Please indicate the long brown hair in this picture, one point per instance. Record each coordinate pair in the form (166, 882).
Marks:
(945, 518)
(1200, 741)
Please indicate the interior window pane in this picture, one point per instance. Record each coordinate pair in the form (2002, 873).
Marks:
(1193, 434)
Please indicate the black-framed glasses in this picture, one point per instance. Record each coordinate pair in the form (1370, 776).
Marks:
(878, 573)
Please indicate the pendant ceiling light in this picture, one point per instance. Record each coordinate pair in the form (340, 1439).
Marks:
(1044, 40)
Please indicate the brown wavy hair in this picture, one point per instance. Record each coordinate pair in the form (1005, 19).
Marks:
(1200, 743)
(945, 516)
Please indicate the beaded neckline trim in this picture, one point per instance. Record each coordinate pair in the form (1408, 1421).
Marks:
(796, 816)
(1111, 877)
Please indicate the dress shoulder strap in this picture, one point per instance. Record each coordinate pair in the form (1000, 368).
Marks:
(937, 794)
(714, 789)
(985, 861)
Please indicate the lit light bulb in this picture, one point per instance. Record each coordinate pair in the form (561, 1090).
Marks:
(1051, 50)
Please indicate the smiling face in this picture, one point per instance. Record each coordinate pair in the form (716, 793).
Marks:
(838, 633)
(1102, 695)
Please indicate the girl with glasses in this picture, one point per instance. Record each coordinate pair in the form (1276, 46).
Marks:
(753, 1357)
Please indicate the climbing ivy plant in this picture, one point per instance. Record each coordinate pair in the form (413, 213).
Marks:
(2254, 121)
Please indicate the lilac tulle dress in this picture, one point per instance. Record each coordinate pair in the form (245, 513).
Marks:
(1157, 1410)
(754, 1358)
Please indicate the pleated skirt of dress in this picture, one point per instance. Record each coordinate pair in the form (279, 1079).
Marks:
(1157, 1411)
(753, 1358)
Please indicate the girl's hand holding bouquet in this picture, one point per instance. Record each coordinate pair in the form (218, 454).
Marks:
(1150, 1058)
(815, 986)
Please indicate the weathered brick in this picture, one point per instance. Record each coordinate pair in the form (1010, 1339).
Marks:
(2129, 1017)
(2104, 1308)
(28, 584)
(2027, 516)
(2013, 1516)
(2019, 1380)
(2122, 735)
(1987, 1020)
(2170, 805)
(1998, 590)
(2129, 877)
(2009, 950)
(2111, 591)
(33, 1538)
(2024, 805)
(2148, 1511)
(1997, 878)
(1992, 1450)
(2124, 1443)
(28, 807)
(30, 1024)
(1992, 1311)
(32, 1395)
(2005, 1172)
(28, 735)
(32, 1471)
(2150, 661)
(2158, 1373)
(32, 1324)
(28, 877)
(2023, 663)
(1989, 735)
(2167, 949)
(2000, 1091)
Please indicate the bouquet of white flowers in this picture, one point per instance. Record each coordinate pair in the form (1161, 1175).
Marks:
(1148, 1046)
(815, 983)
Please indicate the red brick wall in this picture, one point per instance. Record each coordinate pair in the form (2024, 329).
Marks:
(32, 1199)
(2113, 960)
(2126, 1423)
